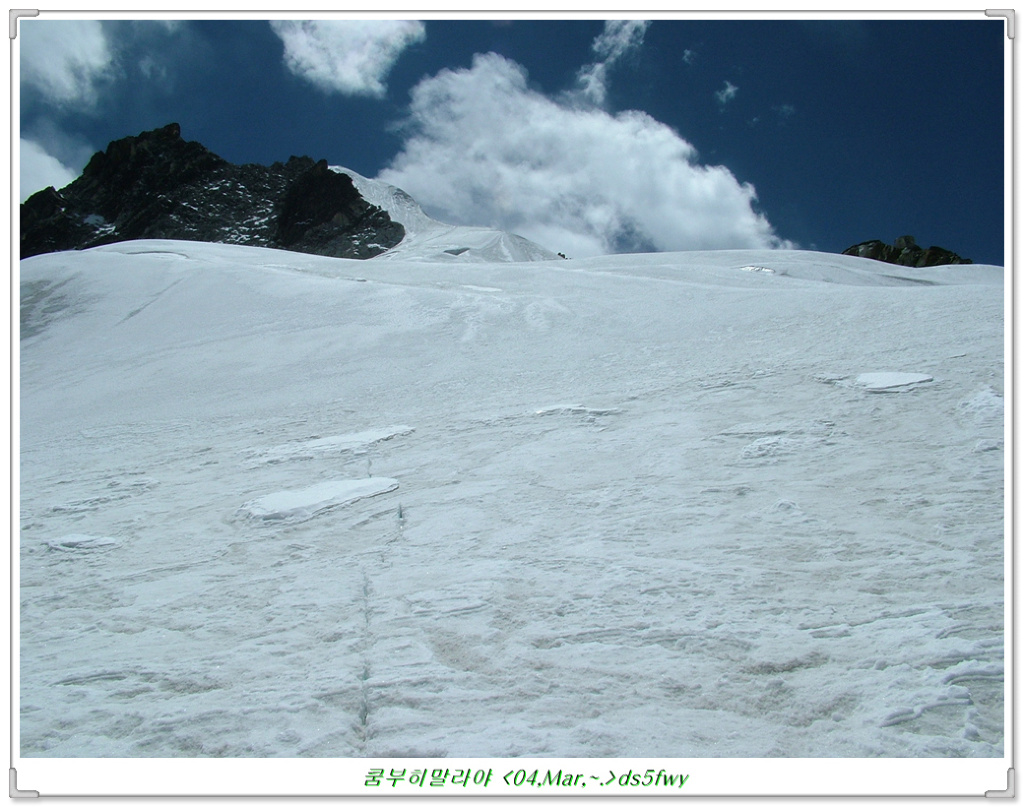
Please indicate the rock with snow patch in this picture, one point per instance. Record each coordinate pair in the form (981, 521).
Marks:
(157, 185)
(322, 213)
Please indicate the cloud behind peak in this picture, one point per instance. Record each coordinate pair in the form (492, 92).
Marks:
(483, 148)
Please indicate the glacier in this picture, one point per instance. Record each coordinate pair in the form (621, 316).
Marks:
(643, 506)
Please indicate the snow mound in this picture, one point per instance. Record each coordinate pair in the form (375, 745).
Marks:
(81, 543)
(447, 243)
(765, 447)
(427, 239)
(304, 504)
(891, 382)
(984, 406)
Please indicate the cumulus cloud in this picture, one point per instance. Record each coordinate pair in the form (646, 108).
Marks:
(40, 170)
(618, 38)
(351, 57)
(65, 60)
(727, 93)
(483, 148)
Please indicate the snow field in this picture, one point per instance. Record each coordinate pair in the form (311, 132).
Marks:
(718, 547)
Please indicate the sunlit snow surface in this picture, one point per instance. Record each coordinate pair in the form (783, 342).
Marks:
(636, 506)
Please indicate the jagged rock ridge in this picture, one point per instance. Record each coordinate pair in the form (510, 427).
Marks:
(905, 252)
(157, 185)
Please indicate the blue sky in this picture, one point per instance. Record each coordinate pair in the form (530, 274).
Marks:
(584, 135)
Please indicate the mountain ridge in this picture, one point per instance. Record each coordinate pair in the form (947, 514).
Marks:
(157, 185)
(905, 252)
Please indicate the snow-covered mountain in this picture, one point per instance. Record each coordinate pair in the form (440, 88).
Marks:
(723, 504)
(427, 239)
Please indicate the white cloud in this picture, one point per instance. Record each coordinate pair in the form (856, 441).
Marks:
(65, 60)
(618, 38)
(727, 93)
(485, 149)
(352, 57)
(40, 170)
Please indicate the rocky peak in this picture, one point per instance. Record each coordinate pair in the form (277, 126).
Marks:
(157, 185)
(905, 251)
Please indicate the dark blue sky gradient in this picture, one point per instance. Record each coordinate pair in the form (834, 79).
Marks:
(848, 130)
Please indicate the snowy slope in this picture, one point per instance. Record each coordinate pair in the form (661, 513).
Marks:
(429, 240)
(729, 504)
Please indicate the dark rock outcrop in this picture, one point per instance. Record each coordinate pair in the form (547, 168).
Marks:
(157, 185)
(904, 251)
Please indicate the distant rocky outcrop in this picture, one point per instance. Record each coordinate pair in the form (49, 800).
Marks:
(157, 185)
(905, 252)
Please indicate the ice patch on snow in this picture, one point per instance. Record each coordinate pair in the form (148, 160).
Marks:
(81, 543)
(304, 504)
(891, 382)
(763, 269)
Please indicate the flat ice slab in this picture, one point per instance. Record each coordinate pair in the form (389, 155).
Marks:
(299, 505)
(890, 382)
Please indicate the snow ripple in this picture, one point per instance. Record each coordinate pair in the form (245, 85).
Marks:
(322, 446)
